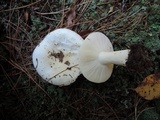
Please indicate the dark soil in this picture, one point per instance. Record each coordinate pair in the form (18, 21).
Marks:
(138, 59)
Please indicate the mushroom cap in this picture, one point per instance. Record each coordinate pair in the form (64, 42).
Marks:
(56, 57)
(89, 64)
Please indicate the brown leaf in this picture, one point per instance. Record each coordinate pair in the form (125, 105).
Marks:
(149, 89)
(71, 15)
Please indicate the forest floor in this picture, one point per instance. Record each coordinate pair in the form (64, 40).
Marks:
(24, 95)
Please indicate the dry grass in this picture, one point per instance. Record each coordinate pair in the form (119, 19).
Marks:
(26, 23)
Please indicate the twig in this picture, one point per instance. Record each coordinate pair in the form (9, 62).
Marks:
(20, 7)
(52, 13)
(74, 66)
(26, 72)
(142, 112)
(10, 82)
(107, 105)
(15, 25)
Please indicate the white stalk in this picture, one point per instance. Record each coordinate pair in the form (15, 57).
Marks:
(115, 57)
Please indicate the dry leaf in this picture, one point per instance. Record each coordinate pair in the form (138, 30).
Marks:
(111, 9)
(149, 89)
(71, 15)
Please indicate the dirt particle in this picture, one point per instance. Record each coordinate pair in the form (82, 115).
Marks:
(70, 76)
(67, 63)
(58, 55)
(69, 68)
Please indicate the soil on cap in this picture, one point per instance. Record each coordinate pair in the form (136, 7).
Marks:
(59, 55)
(138, 59)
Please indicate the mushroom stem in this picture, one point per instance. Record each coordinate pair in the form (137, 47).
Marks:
(116, 57)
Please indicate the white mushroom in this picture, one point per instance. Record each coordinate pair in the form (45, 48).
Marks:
(56, 57)
(97, 57)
